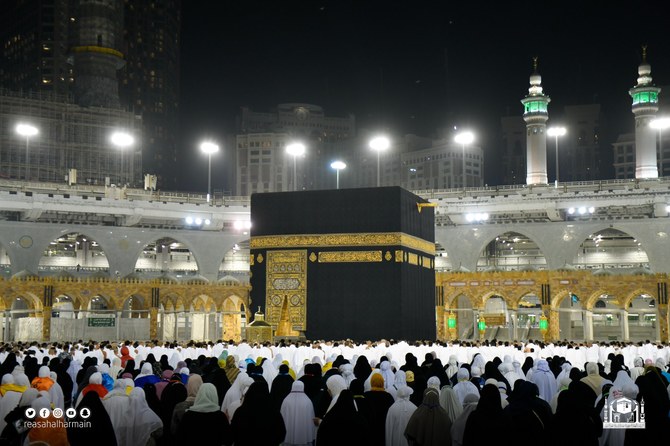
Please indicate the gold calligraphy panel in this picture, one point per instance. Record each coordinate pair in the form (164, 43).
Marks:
(349, 256)
(286, 289)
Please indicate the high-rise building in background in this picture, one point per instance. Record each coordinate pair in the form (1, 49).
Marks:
(149, 81)
(261, 159)
(114, 58)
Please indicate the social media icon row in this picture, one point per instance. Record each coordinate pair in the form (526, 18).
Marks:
(71, 412)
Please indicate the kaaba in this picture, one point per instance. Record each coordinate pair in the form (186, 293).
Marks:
(344, 264)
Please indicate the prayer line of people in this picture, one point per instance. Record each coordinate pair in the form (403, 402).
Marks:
(136, 399)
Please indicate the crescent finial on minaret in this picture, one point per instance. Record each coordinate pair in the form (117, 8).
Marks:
(644, 53)
(535, 58)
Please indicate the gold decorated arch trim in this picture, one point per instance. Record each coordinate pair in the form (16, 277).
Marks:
(343, 240)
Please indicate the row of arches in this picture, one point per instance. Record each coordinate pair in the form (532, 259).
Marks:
(599, 316)
(198, 318)
(79, 254)
(604, 251)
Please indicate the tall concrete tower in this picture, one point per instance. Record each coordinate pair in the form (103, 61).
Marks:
(535, 114)
(98, 37)
(645, 106)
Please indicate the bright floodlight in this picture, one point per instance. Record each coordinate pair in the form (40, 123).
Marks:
(380, 143)
(556, 131)
(464, 138)
(338, 165)
(122, 139)
(295, 149)
(26, 130)
(660, 123)
(209, 147)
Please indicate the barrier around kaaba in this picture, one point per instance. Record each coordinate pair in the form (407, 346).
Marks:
(351, 263)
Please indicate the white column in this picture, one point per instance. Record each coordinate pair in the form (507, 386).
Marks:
(624, 327)
(514, 319)
(117, 323)
(176, 324)
(588, 325)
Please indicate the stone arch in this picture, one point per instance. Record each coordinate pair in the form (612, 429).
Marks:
(628, 299)
(74, 251)
(100, 302)
(495, 293)
(236, 258)
(591, 300)
(525, 252)
(232, 308)
(64, 306)
(134, 302)
(448, 301)
(33, 302)
(557, 300)
(165, 254)
(611, 248)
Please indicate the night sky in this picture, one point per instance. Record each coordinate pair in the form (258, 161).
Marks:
(408, 66)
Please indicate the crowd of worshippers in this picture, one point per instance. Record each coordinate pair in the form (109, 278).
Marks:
(384, 393)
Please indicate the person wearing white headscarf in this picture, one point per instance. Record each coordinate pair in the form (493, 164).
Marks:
(566, 367)
(449, 402)
(335, 386)
(637, 369)
(387, 374)
(10, 398)
(623, 385)
(347, 372)
(433, 383)
(452, 366)
(398, 416)
(464, 386)
(458, 426)
(116, 368)
(297, 411)
(593, 378)
(562, 385)
(545, 380)
(508, 372)
(235, 393)
(145, 421)
(399, 380)
(118, 407)
(49, 432)
(203, 422)
(56, 393)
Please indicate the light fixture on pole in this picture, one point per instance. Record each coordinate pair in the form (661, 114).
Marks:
(295, 149)
(209, 148)
(122, 140)
(556, 132)
(27, 130)
(338, 165)
(660, 124)
(379, 144)
(464, 138)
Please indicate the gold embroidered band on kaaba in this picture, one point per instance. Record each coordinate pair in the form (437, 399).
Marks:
(343, 240)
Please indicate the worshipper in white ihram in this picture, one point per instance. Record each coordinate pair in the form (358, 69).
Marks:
(297, 411)
(545, 380)
(398, 416)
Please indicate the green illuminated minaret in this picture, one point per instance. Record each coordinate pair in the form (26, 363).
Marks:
(645, 106)
(535, 114)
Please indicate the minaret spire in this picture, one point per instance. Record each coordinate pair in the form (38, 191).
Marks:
(645, 106)
(536, 116)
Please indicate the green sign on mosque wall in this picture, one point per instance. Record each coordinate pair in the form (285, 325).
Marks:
(101, 322)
